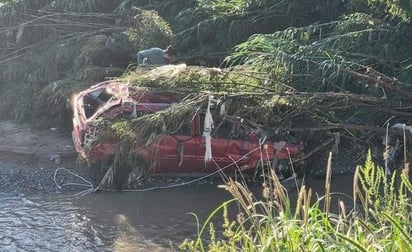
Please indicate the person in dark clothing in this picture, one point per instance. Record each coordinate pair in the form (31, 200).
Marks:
(156, 56)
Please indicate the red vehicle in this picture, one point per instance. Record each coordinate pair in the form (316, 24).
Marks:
(234, 144)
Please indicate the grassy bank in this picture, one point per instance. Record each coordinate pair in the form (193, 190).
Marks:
(379, 221)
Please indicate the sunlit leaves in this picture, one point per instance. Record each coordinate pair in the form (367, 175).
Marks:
(226, 7)
(399, 9)
(316, 56)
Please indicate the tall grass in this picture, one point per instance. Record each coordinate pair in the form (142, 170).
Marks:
(380, 219)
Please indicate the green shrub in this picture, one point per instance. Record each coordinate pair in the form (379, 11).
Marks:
(380, 220)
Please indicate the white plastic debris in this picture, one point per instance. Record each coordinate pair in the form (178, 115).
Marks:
(207, 129)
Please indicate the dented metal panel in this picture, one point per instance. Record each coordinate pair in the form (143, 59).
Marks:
(235, 145)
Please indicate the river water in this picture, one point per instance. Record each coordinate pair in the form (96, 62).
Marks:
(155, 220)
(109, 221)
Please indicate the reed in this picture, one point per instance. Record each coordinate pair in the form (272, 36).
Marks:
(380, 219)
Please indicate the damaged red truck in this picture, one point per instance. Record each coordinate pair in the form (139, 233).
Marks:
(235, 145)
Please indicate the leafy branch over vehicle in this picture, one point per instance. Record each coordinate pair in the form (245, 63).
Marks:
(356, 55)
(298, 66)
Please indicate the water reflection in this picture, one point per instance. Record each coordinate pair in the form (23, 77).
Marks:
(160, 217)
(149, 221)
(134, 221)
(37, 225)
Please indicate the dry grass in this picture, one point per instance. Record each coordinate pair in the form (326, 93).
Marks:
(379, 221)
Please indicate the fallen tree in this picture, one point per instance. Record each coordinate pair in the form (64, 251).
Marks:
(52, 49)
(350, 76)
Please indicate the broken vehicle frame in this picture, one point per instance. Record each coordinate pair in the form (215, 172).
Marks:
(236, 146)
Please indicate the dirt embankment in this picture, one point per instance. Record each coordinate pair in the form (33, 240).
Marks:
(29, 158)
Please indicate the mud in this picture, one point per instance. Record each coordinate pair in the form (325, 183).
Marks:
(30, 157)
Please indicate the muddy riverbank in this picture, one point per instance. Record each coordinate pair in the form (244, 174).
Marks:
(148, 220)
(29, 158)
(45, 161)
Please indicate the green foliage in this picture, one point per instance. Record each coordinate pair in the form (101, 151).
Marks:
(323, 57)
(95, 6)
(151, 30)
(227, 8)
(11, 11)
(141, 129)
(382, 223)
(207, 32)
(400, 9)
(192, 79)
(379, 188)
(76, 5)
(406, 72)
(244, 91)
(40, 47)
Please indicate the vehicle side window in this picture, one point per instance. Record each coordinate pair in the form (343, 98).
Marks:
(238, 131)
(188, 128)
(90, 106)
(229, 129)
(184, 129)
(94, 100)
(222, 129)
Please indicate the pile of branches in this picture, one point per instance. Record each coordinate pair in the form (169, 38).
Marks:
(350, 76)
(47, 53)
(316, 82)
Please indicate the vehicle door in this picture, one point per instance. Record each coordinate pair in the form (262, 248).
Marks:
(230, 145)
(178, 152)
